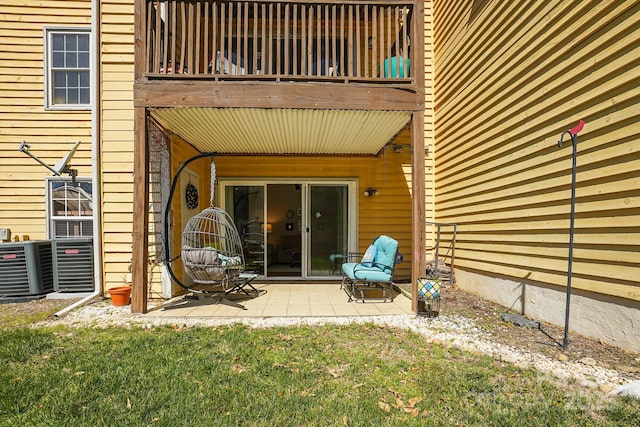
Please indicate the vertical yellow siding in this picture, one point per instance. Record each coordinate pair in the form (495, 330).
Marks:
(22, 115)
(116, 151)
(510, 77)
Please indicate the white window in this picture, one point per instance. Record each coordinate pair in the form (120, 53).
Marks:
(67, 68)
(70, 210)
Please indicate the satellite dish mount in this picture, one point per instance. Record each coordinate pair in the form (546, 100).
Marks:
(59, 168)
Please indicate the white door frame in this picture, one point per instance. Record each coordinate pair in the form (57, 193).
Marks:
(351, 183)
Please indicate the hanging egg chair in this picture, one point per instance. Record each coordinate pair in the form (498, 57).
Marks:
(211, 250)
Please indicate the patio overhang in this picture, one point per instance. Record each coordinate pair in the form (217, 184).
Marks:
(277, 114)
(283, 131)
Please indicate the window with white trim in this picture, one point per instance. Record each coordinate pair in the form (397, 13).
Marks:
(70, 210)
(67, 68)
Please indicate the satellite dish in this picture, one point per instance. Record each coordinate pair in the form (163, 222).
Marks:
(61, 167)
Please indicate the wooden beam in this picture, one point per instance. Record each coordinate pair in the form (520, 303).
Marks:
(418, 266)
(140, 236)
(275, 95)
(140, 36)
(418, 262)
(140, 246)
(337, 2)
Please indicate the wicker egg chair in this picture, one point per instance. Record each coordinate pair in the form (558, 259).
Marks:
(211, 251)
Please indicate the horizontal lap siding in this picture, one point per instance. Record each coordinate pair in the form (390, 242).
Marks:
(116, 151)
(429, 117)
(387, 213)
(51, 134)
(510, 77)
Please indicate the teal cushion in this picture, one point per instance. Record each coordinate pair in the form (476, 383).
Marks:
(397, 62)
(387, 250)
(355, 271)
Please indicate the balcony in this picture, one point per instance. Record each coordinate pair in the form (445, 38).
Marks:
(279, 41)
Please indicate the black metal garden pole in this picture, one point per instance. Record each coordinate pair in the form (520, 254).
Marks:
(573, 132)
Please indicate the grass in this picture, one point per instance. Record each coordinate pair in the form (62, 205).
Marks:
(303, 376)
(25, 314)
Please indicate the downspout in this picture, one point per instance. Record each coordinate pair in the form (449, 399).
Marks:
(95, 163)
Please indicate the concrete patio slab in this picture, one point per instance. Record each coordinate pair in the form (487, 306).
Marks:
(282, 300)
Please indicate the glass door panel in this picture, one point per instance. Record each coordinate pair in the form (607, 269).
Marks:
(245, 205)
(284, 222)
(328, 225)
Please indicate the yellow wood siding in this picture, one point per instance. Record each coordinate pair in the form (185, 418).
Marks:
(429, 124)
(23, 117)
(510, 77)
(180, 152)
(116, 150)
(387, 213)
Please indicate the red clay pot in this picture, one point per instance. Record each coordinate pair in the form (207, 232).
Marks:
(120, 296)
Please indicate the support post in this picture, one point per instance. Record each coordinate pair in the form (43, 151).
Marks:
(419, 69)
(418, 263)
(140, 243)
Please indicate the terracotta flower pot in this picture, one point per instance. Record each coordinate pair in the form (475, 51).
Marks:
(121, 295)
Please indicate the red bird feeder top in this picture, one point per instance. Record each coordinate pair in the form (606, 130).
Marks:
(577, 128)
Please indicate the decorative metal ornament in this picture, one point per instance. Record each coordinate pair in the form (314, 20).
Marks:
(191, 196)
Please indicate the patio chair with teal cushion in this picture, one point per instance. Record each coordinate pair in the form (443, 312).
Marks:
(372, 276)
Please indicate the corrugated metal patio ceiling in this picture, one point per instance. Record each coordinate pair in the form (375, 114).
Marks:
(283, 131)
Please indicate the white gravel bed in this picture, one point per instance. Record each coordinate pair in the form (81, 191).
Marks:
(454, 331)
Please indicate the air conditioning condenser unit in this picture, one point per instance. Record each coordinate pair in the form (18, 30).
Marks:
(26, 268)
(73, 265)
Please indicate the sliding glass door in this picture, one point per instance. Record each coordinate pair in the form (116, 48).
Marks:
(298, 229)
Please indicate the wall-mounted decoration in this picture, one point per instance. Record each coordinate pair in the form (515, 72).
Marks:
(289, 214)
(189, 187)
(191, 196)
(289, 226)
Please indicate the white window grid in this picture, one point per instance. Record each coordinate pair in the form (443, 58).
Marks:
(67, 68)
(70, 208)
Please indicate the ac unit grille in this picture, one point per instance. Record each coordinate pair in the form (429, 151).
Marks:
(73, 265)
(26, 268)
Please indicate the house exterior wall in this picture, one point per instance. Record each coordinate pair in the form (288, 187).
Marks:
(387, 213)
(180, 152)
(429, 122)
(116, 136)
(510, 78)
(51, 133)
(23, 116)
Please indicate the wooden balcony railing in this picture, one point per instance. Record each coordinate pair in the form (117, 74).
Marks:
(344, 41)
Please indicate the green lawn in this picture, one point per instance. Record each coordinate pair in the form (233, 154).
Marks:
(300, 376)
